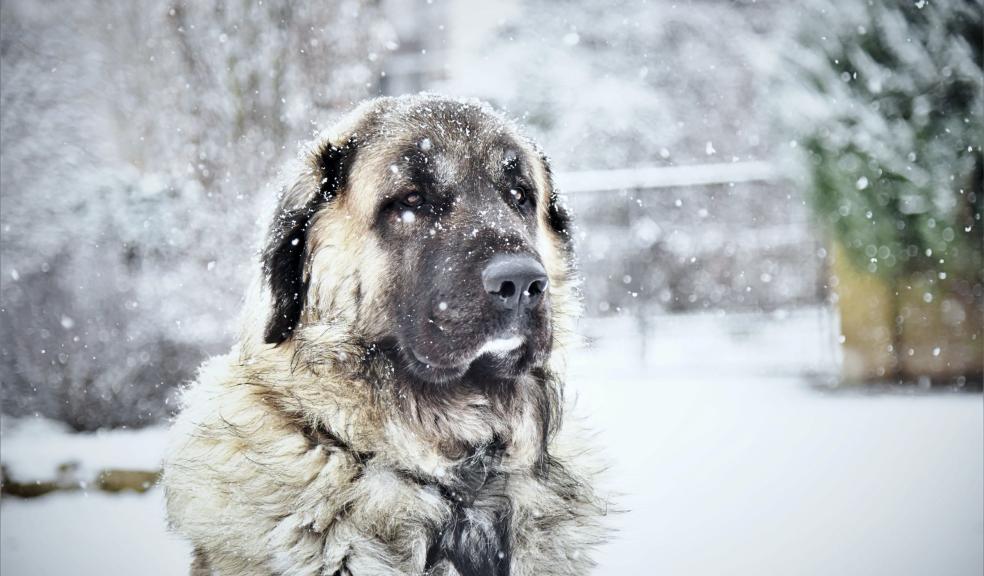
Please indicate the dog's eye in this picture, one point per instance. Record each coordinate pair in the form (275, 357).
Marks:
(518, 195)
(412, 199)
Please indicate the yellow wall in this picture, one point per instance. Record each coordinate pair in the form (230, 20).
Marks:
(941, 328)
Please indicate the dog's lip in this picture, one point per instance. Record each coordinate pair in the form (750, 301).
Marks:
(428, 362)
(431, 371)
(502, 346)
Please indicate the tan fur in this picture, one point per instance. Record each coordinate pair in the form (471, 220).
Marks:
(298, 459)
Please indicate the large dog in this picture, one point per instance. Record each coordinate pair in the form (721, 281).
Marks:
(393, 405)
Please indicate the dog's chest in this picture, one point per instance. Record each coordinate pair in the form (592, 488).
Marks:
(476, 539)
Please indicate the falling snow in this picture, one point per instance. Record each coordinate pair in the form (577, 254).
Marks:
(688, 141)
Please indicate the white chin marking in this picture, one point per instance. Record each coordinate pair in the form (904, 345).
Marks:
(500, 345)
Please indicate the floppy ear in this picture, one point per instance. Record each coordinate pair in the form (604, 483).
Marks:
(557, 215)
(286, 246)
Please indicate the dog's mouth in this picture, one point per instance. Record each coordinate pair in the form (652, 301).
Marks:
(500, 354)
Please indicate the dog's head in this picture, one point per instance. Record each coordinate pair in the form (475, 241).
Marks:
(429, 228)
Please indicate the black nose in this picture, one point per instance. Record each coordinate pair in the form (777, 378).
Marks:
(515, 281)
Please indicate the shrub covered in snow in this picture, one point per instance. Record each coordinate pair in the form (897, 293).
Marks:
(887, 100)
(137, 138)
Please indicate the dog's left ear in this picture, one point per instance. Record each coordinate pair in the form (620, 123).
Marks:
(325, 177)
(557, 215)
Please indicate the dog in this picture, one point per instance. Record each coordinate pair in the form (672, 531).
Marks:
(393, 405)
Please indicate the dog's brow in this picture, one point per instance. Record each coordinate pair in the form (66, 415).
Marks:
(510, 162)
(421, 166)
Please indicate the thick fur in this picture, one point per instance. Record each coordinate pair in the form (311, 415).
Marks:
(319, 445)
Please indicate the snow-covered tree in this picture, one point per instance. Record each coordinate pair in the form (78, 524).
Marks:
(886, 104)
(887, 100)
(137, 141)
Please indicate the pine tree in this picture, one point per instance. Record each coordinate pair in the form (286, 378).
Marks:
(886, 98)
(889, 108)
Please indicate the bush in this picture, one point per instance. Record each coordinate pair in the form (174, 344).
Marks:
(886, 99)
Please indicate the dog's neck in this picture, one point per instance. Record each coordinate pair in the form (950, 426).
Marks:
(451, 423)
(360, 402)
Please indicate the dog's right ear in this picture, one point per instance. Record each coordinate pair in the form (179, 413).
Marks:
(284, 254)
(558, 216)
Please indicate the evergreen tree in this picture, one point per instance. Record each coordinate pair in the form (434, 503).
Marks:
(886, 99)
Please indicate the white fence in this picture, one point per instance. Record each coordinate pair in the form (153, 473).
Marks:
(647, 178)
(739, 229)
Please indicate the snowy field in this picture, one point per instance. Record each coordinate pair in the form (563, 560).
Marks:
(729, 456)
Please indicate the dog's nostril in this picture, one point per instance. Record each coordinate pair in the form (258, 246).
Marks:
(507, 289)
(535, 289)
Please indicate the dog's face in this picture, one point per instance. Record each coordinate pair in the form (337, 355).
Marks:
(435, 232)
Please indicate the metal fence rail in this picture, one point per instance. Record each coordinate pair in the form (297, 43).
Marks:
(654, 177)
(734, 236)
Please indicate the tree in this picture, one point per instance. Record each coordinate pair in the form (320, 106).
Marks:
(886, 101)
(138, 139)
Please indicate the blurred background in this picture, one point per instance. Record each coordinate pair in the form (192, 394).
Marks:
(778, 210)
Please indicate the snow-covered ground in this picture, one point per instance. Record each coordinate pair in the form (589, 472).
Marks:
(89, 534)
(33, 449)
(729, 458)
(86, 532)
(731, 463)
